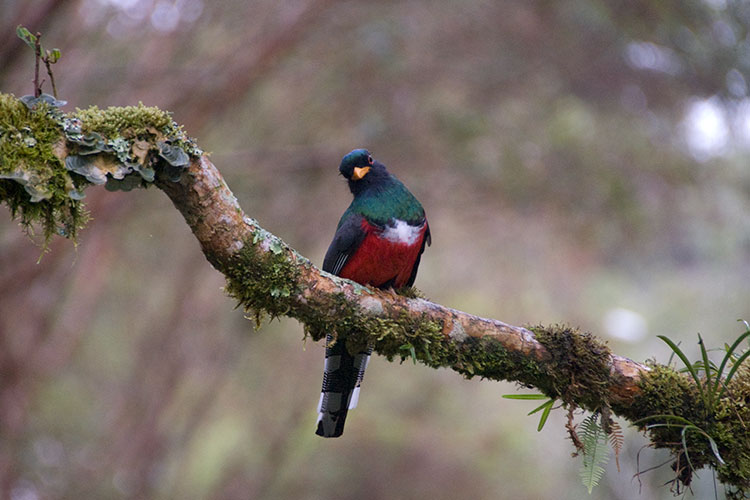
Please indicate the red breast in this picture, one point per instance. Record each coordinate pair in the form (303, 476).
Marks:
(383, 256)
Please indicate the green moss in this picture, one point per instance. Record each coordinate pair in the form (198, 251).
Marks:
(33, 181)
(667, 392)
(405, 337)
(579, 369)
(732, 431)
(488, 358)
(391, 337)
(132, 122)
(122, 147)
(411, 291)
(263, 282)
(127, 121)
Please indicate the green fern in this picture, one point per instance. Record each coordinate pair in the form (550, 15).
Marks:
(595, 451)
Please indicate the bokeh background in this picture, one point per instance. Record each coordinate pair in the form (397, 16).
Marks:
(580, 161)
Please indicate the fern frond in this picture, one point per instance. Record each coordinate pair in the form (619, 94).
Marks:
(595, 451)
(616, 440)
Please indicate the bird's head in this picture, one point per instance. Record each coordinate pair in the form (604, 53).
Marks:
(356, 165)
(363, 173)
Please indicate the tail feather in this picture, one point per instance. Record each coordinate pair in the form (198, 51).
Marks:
(341, 381)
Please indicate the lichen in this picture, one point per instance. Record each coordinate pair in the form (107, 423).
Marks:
(48, 158)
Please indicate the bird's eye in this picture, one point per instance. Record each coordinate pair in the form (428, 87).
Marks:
(369, 160)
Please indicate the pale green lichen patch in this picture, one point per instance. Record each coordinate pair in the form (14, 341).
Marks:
(124, 146)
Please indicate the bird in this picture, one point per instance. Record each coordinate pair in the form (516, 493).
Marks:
(379, 242)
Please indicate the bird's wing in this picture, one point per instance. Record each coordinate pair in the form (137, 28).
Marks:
(426, 240)
(347, 239)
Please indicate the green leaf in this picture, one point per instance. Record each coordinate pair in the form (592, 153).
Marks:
(280, 292)
(683, 435)
(686, 426)
(707, 371)
(731, 373)
(727, 357)
(541, 406)
(412, 351)
(26, 36)
(53, 55)
(711, 442)
(525, 396)
(714, 448)
(676, 418)
(545, 414)
(545, 407)
(687, 363)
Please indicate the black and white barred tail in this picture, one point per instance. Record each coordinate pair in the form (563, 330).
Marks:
(341, 381)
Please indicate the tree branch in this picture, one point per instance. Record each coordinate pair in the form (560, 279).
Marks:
(315, 297)
(134, 146)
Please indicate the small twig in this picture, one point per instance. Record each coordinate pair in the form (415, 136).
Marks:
(47, 63)
(38, 55)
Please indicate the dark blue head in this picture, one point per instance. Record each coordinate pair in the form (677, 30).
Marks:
(355, 165)
(364, 173)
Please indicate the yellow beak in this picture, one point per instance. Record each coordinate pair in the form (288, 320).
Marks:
(360, 172)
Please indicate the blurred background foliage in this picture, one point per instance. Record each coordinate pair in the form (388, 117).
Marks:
(580, 161)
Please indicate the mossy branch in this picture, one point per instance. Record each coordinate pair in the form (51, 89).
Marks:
(269, 277)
